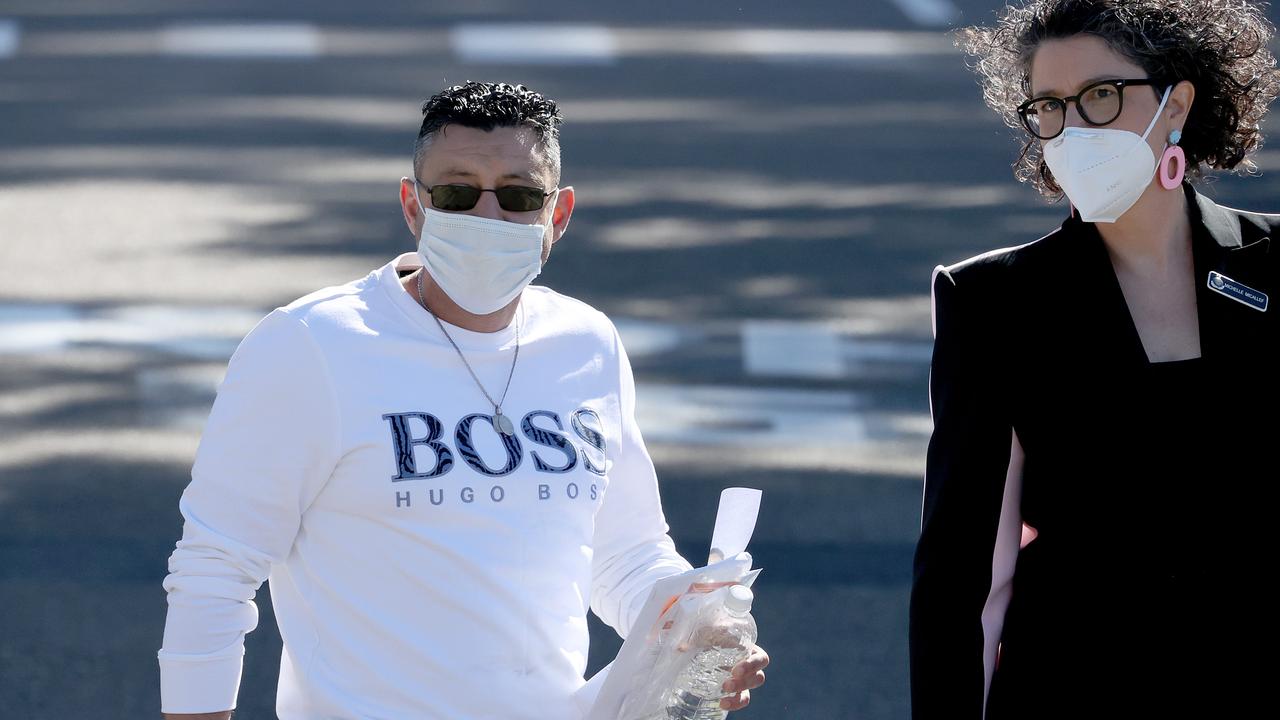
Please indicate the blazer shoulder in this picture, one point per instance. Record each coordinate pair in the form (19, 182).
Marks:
(996, 270)
(983, 284)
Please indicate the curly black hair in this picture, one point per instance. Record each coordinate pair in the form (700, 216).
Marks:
(1219, 46)
(485, 106)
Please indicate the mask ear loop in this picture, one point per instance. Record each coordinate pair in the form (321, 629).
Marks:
(1156, 117)
(552, 199)
(419, 199)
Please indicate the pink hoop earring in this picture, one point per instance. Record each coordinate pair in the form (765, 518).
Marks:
(1173, 154)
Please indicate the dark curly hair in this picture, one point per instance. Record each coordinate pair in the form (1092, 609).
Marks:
(485, 106)
(1219, 46)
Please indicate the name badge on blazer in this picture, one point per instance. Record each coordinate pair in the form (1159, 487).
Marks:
(1239, 292)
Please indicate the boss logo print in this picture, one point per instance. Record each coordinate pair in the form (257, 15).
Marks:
(422, 452)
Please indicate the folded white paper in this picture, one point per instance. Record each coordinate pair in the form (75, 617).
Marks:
(735, 522)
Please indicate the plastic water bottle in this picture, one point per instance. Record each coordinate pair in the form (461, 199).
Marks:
(717, 647)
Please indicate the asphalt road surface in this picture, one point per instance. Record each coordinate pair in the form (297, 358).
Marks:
(763, 191)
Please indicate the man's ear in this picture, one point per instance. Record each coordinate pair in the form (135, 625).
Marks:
(561, 213)
(409, 206)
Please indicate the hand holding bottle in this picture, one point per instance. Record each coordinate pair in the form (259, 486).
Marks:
(724, 662)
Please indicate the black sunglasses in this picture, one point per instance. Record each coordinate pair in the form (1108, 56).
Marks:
(512, 198)
(1098, 104)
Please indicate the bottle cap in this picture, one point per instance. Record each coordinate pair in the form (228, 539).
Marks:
(739, 599)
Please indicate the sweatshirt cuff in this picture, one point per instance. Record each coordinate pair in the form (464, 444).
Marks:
(200, 683)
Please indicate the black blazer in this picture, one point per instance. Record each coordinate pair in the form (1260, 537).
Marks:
(1153, 494)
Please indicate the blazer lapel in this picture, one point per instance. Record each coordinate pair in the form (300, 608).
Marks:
(1237, 248)
(1110, 328)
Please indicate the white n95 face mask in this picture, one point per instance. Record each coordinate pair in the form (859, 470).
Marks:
(480, 263)
(1103, 171)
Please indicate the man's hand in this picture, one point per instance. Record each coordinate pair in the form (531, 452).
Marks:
(747, 676)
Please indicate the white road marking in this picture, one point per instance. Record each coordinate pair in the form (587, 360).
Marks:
(33, 328)
(791, 349)
(930, 13)
(597, 44)
(646, 337)
(210, 333)
(730, 427)
(483, 43)
(887, 351)
(783, 44)
(247, 40)
(534, 43)
(779, 348)
(10, 37)
(207, 333)
(705, 414)
(795, 45)
(759, 192)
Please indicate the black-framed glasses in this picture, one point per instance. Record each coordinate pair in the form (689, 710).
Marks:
(512, 198)
(1099, 104)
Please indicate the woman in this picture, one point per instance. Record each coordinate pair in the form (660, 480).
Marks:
(1099, 485)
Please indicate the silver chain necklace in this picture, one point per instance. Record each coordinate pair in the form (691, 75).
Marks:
(501, 422)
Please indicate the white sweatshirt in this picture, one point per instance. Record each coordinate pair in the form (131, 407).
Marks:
(419, 566)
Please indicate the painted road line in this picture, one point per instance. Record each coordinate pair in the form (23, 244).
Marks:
(716, 415)
(929, 13)
(36, 328)
(791, 349)
(534, 43)
(10, 37)
(484, 43)
(643, 338)
(781, 417)
(819, 45)
(596, 44)
(865, 350)
(747, 427)
(242, 40)
(778, 44)
(205, 333)
(781, 348)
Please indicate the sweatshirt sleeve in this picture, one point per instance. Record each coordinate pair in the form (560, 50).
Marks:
(268, 447)
(970, 522)
(632, 549)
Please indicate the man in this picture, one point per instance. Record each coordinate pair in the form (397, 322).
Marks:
(439, 469)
